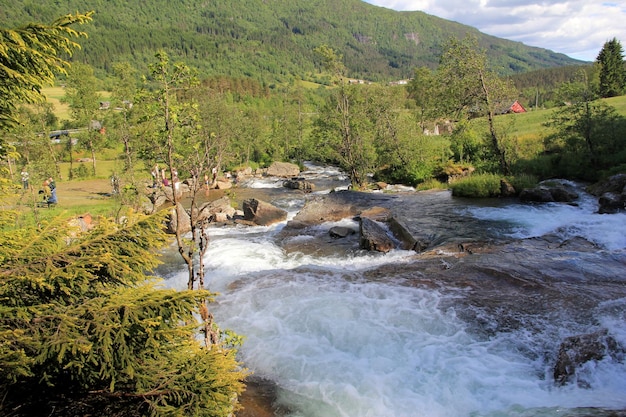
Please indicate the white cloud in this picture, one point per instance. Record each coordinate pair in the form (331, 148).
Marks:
(578, 28)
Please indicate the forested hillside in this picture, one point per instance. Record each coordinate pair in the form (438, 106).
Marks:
(271, 41)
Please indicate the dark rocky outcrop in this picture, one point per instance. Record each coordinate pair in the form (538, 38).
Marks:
(262, 213)
(611, 202)
(549, 192)
(374, 237)
(611, 193)
(339, 232)
(507, 189)
(577, 350)
(299, 184)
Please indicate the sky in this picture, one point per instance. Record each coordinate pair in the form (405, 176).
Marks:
(577, 28)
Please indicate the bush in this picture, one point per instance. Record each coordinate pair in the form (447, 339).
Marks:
(431, 184)
(81, 172)
(519, 182)
(477, 186)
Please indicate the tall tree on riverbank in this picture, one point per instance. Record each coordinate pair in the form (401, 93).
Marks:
(174, 138)
(472, 89)
(612, 69)
(343, 127)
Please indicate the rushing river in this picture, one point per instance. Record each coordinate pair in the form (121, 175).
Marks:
(342, 334)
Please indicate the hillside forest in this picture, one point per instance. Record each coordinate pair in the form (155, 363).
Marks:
(80, 317)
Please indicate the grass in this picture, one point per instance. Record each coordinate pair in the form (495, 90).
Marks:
(55, 94)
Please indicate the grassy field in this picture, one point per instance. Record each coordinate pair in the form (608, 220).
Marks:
(55, 94)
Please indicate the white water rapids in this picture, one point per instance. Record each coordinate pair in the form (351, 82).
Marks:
(337, 344)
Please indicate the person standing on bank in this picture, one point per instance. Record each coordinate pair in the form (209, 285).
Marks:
(25, 177)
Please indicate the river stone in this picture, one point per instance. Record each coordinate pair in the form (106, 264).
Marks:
(615, 183)
(262, 213)
(283, 170)
(223, 184)
(577, 350)
(178, 215)
(611, 202)
(374, 237)
(299, 184)
(212, 209)
(340, 232)
(507, 189)
(548, 194)
(379, 214)
(324, 208)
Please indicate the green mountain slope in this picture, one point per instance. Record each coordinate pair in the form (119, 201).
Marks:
(271, 40)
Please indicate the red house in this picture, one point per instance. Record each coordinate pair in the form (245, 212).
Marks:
(517, 108)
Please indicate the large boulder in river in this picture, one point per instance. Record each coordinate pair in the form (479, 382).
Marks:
(611, 193)
(283, 170)
(324, 208)
(549, 192)
(299, 184)
(178, 219)
(374, 237)
(575, 351)
(219, 210)
(613, 184)
(262, 213)
(611, 202)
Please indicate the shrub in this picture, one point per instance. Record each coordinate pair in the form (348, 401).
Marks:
(431, 184)
(521, 181)
(477, 186)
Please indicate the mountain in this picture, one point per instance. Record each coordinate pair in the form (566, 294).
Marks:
(271, 40)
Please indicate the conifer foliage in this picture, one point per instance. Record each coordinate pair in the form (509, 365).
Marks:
(612, 69)
(30, 57)
(81, 320)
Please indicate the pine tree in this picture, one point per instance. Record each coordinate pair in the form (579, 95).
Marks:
(612, 70)
(30, 56)
(81, 324)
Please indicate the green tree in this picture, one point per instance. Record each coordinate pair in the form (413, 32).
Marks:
(588, 136)
(171, 125)
(30, 57)
(472, 89)
(423, 89)
(84, 101)
(612, 69)
(82, 325)
(343, 127)
(122, 97)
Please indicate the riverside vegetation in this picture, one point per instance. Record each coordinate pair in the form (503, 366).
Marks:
(83, 323)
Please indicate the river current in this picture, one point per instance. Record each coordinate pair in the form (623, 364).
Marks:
(352, 333)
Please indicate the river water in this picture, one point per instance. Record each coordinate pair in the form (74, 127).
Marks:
(357, 334)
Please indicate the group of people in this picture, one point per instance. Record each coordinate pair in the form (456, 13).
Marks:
(159, 178)
(48, 191)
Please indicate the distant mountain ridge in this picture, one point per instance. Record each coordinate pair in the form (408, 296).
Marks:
(271, 40)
